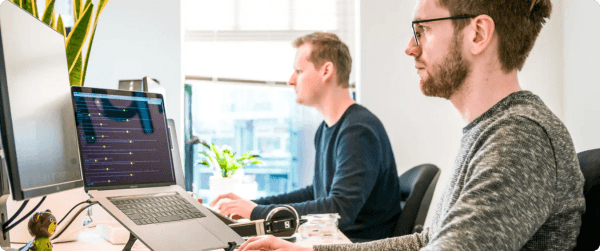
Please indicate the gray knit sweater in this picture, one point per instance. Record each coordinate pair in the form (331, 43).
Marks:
(515, 185)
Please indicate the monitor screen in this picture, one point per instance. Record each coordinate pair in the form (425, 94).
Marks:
(123, 138)
(36, 119)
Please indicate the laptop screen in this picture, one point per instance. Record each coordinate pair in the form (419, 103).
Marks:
(123, 138)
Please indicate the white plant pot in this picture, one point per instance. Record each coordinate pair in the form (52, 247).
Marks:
(222, 185)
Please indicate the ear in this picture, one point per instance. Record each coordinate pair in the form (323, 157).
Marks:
(327, 72)
(482, 33)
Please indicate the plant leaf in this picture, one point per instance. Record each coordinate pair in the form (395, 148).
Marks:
(76, 10)
(48, 12)
(75, 74)
(204, 163)
(76, 39)
(28, 6)
(205, 144)
(35, 9)
(60, 27)
(18, 2)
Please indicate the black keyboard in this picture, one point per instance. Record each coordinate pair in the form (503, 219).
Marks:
(157, 208)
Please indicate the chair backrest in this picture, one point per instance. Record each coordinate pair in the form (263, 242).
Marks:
(416, 189)
(589, 239)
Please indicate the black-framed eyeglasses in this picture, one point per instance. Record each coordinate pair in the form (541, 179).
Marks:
(417, 35)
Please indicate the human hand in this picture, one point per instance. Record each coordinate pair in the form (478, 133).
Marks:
(270, 243)
(230, 196)
(240, 207)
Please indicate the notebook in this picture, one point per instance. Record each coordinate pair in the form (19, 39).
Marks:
(127, 166)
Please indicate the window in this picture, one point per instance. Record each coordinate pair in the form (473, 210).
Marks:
(237, 59)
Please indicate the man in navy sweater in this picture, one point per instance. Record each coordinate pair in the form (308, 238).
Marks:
(355, 171)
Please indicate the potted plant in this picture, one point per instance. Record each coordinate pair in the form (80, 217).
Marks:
(224, 163)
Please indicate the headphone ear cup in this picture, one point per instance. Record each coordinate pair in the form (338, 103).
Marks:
(285, 212)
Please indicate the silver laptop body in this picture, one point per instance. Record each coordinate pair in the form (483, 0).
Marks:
(126, 154)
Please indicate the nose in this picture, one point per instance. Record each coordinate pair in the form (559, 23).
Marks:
(412, 49)
(292, 80)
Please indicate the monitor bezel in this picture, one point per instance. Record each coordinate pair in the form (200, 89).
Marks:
(120, 93)
(8, 140)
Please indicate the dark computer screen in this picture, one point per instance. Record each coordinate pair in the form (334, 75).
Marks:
(123, 138)
(36, 118)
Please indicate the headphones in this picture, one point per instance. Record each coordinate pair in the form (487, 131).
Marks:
(282, 221)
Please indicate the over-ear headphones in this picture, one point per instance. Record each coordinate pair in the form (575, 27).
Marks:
(282, 221)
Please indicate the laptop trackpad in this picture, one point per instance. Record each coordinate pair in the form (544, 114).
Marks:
(182, 235)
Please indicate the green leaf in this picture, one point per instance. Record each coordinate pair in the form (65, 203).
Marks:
(28, 6)
(101, 6)
(76, 9)
(75, 74)
(205, 144)
(204, 163)
(18, 2)
(60, 27)
(49, 12)
(35, 9)
(76, 39)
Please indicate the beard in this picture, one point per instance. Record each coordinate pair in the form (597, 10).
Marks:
(448, 77)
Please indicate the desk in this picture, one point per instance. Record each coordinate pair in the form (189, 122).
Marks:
(90, 240)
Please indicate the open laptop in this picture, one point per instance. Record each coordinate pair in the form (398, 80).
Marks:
(127, 167)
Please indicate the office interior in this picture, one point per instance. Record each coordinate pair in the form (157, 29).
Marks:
(137, 38)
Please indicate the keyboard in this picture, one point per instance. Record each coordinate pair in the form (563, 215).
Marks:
(156, 208)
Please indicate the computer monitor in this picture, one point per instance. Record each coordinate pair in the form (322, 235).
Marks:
(39, 138)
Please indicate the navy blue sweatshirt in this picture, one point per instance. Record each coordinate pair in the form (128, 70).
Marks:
(355, 176)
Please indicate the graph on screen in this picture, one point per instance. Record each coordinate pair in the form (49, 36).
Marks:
(123, 139)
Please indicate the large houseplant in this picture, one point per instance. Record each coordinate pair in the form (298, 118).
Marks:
(75, 42)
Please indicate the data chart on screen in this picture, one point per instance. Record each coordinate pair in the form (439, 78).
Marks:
(123, 139)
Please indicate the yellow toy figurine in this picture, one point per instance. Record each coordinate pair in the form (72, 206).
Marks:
(41, 226)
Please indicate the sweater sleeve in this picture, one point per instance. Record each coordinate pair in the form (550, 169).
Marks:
(357, 167)
(408, 242)
(508, 190)
(296, 196)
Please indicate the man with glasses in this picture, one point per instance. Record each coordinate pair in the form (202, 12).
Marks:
(516, 183)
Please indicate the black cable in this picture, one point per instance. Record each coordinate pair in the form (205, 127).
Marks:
(85, 201)
(5, 224)
(26, 216)
(72, 219)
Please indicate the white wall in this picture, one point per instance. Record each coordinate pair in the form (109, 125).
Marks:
(428, 130)
(581, 72)
(137, 38)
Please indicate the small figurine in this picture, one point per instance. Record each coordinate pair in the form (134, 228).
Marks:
(41, 226)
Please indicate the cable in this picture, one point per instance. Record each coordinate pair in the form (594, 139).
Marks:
(26, 216)
(72, 219)
(5, 224)
(85, 201)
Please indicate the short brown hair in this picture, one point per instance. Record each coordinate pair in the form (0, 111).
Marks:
(518, 24)
(327, 47)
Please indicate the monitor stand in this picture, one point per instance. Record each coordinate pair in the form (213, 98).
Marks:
(5, 239)
(4, 195)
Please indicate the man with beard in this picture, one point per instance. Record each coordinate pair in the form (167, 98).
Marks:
(516, 183)
(355, 171)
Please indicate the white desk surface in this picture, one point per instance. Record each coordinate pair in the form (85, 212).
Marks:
(90, 240)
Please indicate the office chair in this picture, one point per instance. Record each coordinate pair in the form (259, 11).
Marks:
(416, 188)
(588, 239)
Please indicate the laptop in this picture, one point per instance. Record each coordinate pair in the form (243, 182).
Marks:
(127, 166)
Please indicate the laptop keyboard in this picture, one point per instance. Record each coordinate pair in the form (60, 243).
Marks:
(151, 209)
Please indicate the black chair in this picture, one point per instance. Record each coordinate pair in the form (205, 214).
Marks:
(416, 188)
(589, 239)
